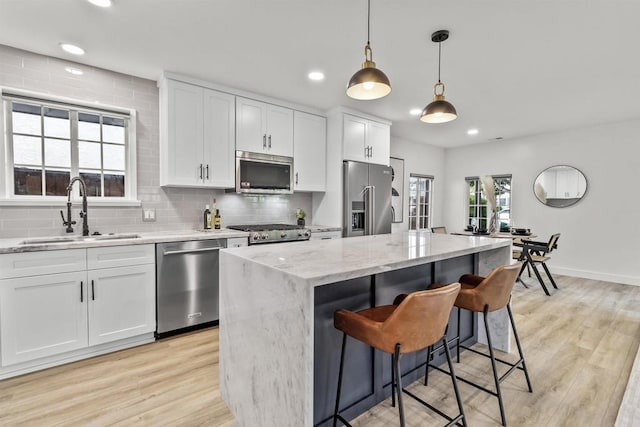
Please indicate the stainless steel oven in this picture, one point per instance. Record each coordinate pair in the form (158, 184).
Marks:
(263, 173)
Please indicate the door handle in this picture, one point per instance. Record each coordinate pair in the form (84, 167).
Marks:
(81, 291)
(269, 141)
(188, 251)
(370, 151)
(369, 204)
(207, 171)
(200, 170)
(264, 140)
(93, 292)
(296, 178)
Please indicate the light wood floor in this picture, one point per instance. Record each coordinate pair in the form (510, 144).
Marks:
(579, 343)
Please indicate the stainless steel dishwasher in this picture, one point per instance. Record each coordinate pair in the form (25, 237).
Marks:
(187, 285)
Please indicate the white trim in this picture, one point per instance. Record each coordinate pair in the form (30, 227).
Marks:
(8, 91)
(345, 110)
(7, 198)
(237, 92)
(62, 202)
(596, 275)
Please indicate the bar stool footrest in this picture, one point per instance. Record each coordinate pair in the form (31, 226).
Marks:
(514, 366)
(452, 421)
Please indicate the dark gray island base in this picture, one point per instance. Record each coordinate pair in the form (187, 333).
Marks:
(367, 374)
(279, 351)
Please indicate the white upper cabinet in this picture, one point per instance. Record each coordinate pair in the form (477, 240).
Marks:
(379, 141)
(263, 128)
(366, 140)
(309, 152)
(197, 136)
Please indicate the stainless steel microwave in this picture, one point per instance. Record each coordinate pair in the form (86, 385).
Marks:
(263, 173)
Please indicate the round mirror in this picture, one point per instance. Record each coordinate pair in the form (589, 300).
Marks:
(560, 186)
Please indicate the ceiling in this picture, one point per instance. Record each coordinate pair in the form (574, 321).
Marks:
(511, 67)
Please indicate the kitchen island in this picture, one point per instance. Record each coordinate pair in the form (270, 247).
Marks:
(278, 348)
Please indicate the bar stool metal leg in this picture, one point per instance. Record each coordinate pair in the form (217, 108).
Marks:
(493, 365)
(515, 333)
(455, 383)
(458, 336)
(426, 365)
(393, 383)
(336, 414)
(398, 377)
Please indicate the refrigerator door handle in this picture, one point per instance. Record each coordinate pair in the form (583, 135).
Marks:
(369, 206)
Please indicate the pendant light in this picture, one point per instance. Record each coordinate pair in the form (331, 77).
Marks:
(369, 82)
(439, 111)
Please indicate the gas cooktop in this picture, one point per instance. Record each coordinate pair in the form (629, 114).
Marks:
(273, 233)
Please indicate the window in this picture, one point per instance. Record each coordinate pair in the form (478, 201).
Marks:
(420, 201)
(49, 141)
(477, 208)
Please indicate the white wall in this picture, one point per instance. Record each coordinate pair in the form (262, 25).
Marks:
(601, 233)
(424, 160)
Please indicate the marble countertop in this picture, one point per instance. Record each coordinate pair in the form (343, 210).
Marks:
(33, 244)
(328, 261)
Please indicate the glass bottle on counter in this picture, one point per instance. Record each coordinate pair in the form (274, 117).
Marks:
(207, 218)
(217, 220)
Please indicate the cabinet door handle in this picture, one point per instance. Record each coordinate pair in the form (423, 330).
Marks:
(370, 151)
(269, 141)
(264, 141)
(296, 177)
(207, 171)
(200, 170)
(93, 292)
(366, 152)
(81, 291)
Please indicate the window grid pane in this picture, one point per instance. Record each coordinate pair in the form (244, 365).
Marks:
(419, 202)
(477, 210)
(42, 166)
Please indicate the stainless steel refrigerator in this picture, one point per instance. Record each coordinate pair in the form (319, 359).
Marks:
(367, 199)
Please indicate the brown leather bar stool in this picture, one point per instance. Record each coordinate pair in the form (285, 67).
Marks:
(418, 322)
(484, 295)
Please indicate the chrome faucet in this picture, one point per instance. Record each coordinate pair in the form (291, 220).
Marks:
(83, 214)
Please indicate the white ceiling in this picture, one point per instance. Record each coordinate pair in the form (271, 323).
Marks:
(511, 67)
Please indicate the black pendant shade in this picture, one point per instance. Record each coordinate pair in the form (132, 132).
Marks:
(439, 111)
(369, 82)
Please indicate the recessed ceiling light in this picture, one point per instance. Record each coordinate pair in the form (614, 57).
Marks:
(316, 76)
(74, 71)
(415, 111)
(72, 49)
(101, 3)
(472, 132)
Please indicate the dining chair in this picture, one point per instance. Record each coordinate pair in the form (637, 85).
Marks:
(439, 230)
(533, 253)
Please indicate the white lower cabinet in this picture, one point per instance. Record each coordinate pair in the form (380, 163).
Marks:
(47, 315)
(121, 302)
(42, 316)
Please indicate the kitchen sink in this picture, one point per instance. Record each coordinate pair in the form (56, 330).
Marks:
(62, 239)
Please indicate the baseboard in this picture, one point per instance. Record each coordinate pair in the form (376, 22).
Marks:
(596, 275)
